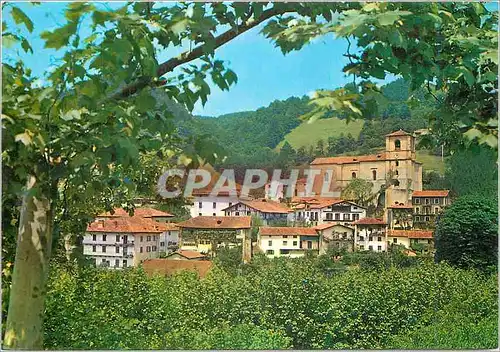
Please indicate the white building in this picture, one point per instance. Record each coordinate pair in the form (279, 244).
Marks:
(316, 211)
(207, 205)
(123, 242)
(370, 234)
(335, 236)
(267, 210)
(274, 190)
(289, 242)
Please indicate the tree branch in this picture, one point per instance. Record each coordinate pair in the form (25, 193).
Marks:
(197, 52)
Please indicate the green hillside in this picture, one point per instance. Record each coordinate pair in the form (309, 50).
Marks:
(307, 134)
(431, 162)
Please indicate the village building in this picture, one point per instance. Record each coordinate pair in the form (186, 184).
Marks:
(315, 211)
(169, 240)
(289, 242)
(427, 205)
(400, 216)
(122, 242)
(269, 211)
(410, 238)
(395, 171)
(205, 234)
(335, 236)
(370, 234)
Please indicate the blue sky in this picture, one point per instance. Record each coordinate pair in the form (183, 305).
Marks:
(264, 73)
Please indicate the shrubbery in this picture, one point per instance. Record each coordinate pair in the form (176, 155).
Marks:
(277, 304)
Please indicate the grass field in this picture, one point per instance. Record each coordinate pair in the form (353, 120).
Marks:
(310, 133)
(431, 162)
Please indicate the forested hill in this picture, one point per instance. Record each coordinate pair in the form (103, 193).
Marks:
(276, 136)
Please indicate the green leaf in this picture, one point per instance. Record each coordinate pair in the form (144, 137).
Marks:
(388, 18)
(59, 37)
(468, 76)
(9, 40)
(20, 17)
(26, 46)
(230, 77)
(396, 39)
(145, 102)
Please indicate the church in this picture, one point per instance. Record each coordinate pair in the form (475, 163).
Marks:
(395, 169)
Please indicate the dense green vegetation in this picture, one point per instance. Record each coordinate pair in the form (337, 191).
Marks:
(271, 304)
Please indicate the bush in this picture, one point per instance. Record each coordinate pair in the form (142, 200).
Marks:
(466, 233)
(280, 303)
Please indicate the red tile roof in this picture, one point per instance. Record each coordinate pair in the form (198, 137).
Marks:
(141, 212)
(129, 225)
(349, 159)
(369, 221)
(217, 222)
(264, 206)
(171, 266)
(410, 233)
(400, 206)
(328, 225)
(398, 133)
(287, 231)
(431, 193)
(189, 254)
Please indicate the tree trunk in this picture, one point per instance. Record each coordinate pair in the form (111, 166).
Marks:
(24, 328)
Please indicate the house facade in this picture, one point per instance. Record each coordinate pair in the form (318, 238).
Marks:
(370, 234)
(290, 242)
(427, 205)
(335, 236)
(267, 210)
(317, 211)
(409, 238)
(122, 242)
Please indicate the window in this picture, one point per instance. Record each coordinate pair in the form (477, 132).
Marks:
(269, 243)
(154, 248)
(355, 217)
(104, 238)
(142, 238)
(103, 249)
(294, 243)
(326, 176)
(162, 244)
(436, 200)
(230, 203)
(417, 200)
(379, 248)
(427, 201)
(417, 218)
(285, 243)
(284, 251)
(124, 263)
(199, 214)
(285, 236)
(347, 216)
(436, 210)
(141, 250)
(353, 175)
(294, 236)
(94, 248)
(214, 205)
(117, 263)
(328, 216)
(397, 163)
(361, 238)
(370, 248)
(361, 247)
(94, 238)
(237, 213)
(309, 245)
(429, 241)
(427, 218)
(417, 210)
(117, 238)
(395, 240)
(117, 249)
(270, 251)
(199, 205)
(379, 239)
(248, 212)
(213, 214)
(397, 173)
(148, 238)
(154, 237)
(370, 238)
(374, 174)
(397, 144)
(148, 249)
(337, 216)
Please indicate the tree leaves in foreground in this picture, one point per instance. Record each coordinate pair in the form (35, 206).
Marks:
(450, 49)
